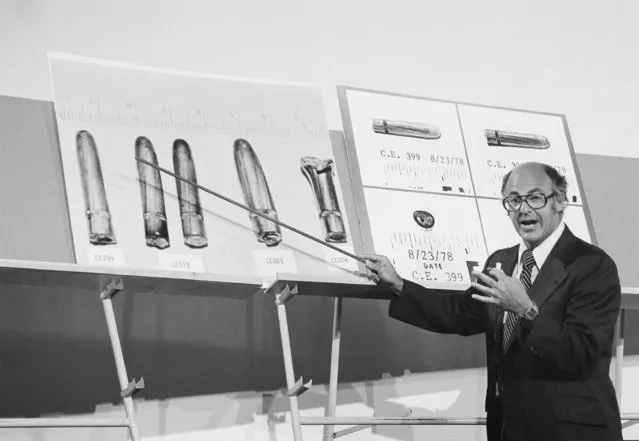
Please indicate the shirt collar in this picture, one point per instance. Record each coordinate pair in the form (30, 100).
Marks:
(542, 251)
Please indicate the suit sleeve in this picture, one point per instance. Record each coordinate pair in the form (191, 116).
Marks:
(445, 312)
(575, 344)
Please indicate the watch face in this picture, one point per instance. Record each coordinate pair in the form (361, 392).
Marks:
(532, 312)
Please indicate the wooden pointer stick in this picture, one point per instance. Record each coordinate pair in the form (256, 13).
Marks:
(256, 212)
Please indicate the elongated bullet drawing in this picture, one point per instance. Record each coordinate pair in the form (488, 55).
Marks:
(256, 192)
(193, 227)
(95, 199)
(424, 219)
(499, 138)
(156, 230)
(406, 128)
(319, 173)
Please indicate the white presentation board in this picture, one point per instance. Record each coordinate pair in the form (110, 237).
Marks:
(427, 177)
(262, 144)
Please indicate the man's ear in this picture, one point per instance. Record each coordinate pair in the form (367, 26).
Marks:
(561, 201)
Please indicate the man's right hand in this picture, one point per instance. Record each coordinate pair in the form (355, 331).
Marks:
(381, 271)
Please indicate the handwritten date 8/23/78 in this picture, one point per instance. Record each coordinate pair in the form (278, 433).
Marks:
(430, 255)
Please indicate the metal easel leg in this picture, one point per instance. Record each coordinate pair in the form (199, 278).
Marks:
(280, 300)
(332, 386)
(127, 389)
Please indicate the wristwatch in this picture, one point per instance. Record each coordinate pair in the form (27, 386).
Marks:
(531, 312)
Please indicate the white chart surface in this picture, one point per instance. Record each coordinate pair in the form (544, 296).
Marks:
(401, 162)
(117, 103)
(436, 256)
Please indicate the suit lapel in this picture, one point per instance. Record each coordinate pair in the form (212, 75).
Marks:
(551, 274)
(553, 271)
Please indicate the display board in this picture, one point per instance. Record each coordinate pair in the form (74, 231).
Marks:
(262, 144)
(428, 174)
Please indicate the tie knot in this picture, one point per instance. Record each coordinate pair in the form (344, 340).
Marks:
(527, 259)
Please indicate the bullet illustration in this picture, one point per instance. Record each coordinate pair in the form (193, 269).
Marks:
(499, 138)
(319, 173)
(154, 213)
(424, 219)
(95, 199)
(256, 193)
(406, 128)
(193, 227)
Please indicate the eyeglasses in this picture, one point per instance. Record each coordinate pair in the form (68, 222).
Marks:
(534, 201)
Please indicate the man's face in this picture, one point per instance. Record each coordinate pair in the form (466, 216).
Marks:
(534, 225)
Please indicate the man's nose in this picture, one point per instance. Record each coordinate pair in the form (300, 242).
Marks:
(525, 208)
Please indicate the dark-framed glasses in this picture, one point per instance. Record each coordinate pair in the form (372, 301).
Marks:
(534, 201)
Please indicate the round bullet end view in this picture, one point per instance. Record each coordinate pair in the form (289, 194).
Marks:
(424, 219)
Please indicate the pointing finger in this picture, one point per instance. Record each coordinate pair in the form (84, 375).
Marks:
(497, 272)
(484, 299)
(483, 289)
(484, 278)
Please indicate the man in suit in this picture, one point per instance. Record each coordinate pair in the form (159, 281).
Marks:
(548, 315)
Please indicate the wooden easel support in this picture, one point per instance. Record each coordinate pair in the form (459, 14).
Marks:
(286, 294)
(281, 298)
(26, 423)
(111, 290)
(350, 430)
(127, 389)
(299, 388)
(132, 388)
(331, 406)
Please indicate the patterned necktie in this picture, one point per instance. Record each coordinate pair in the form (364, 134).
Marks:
(528, 263)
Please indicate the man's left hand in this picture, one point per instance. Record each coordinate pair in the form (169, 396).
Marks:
(506, 292)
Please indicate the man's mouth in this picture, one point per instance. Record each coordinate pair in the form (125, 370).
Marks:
(528, 222)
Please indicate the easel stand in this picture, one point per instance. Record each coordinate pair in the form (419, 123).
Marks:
(127, 389)
(108, 282)
(286, 290)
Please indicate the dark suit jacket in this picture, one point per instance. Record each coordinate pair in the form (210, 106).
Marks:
(554, 382)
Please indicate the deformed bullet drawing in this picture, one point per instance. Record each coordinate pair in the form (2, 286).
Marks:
(154, 213)
(319, 173)
(193, 227)
(406, 128)
(256, 193)
(499, 138)
(95, 200)
(424, 219)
